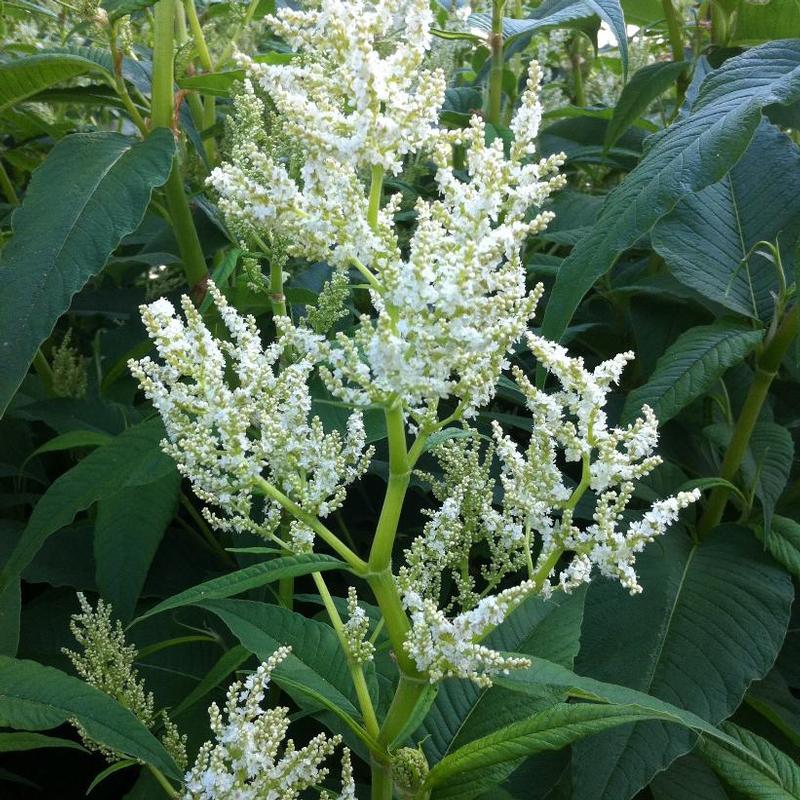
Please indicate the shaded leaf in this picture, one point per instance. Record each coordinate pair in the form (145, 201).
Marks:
(61, 239)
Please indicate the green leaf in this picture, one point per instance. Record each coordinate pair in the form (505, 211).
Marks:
(766, 466)
(553, 13)
(248, 578)
(765, 773)
(773, 699)
(23, 77)
(687, 777)
(783, 543)
(644, 87)
(694, 152)
(109, 771)
(35, 697)
(690, 367)
(133, 458)
(128, 530)
(711, 620)
(24, 740)
(708, 239)
(70, 441)
(468, 770)
(316, 661)
(463, 711)
(61, 239)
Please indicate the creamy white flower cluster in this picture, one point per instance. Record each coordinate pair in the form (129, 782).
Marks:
(450, 647)
(233, 416)
(450, 307)
(356, 630)
(107, 663)
(573, 421)
(448, 313)
(536, 525)
(248, 758)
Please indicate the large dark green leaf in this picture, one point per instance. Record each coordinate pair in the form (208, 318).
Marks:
(765, 774)
(127, 533)
(687, 777)
(34, 697)
(62, 238)
(316, 662)
(691, 366)
(24, 77)
(711, 620)
(707, 239)
(131, 459)
(695, 152)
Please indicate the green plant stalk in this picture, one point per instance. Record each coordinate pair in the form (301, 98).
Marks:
(162, 112)
(375, 193)
(495, 100)
(358, 565)
(8, 187)
(356, 671)
(43, 370)
(248, 18)
(168, 788)
(204, 56)
(577, 72)
(182, 37)
(675, 33)
(767, 367)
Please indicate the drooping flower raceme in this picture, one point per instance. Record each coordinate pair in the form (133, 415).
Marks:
(537, 525)
(233, 417)
(248, 758)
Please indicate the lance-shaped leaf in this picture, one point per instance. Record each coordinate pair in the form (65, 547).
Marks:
(690, 367)
(695, 152)
(252, 577)
(34, 697)
(63, 237)
(762, 773)
(784, 543)
(133, 458)
(24, 77)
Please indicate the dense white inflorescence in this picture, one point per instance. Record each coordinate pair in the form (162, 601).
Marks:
(234, 417)
(248, 758)
(537, 516)
(449, 310)
(449, 304)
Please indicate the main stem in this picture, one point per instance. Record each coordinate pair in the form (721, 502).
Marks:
(194, 263)
(675, 32)
(495, 101)
(766, 369)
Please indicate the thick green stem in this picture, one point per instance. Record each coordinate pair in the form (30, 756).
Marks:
(381, 788)
(495, 100)
(162, 111)
(277, 298)
(675, 32)
(576, 59)
(766, 369)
